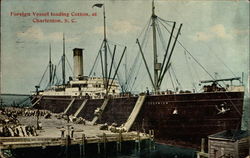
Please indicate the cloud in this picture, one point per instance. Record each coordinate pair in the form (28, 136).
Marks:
(118, 27)
(241, 31)
(36, 33)
(98, 30)
(124, 27)
(202, 36)
(55, 36)
(216, 31)
(33, 32)
(219, 31)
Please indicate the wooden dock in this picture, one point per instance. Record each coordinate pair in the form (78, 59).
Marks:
(30, 142)
(59, 132)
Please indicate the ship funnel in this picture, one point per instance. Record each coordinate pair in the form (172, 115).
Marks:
(78, 63)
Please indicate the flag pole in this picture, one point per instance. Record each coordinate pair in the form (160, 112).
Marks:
(104, 23)
(105, 75)
(105, 53)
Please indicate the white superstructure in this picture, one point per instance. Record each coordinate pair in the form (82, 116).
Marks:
(83, 86)
(92, 87)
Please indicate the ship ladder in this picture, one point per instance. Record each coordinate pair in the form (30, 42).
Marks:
(80, 108)
(105, 103)
(37, 101)
(135, 112)
(70, 104)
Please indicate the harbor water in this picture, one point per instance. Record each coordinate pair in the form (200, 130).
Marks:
(160, 151)
(15, 100)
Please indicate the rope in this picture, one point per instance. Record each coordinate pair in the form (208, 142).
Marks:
(192, 56)
(145, 27)
(114, 64)
(195, 71)
(224, 64)
(166, 21)
(133, 71)
(43, 75)
(171, 80)
(115, 43)
(136, 75)
(143, 45)
(189, 69)
(23, 101)
(58, 81)
(176, 79)
(93, 67)
(196, 60)
(69, 65)
(163, 42)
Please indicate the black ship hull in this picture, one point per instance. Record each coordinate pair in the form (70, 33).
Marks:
(177, 119)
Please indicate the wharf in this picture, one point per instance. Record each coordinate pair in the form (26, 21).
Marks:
(51, 134)
(29, 142)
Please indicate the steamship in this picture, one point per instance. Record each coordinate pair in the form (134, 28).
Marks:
(180, 118)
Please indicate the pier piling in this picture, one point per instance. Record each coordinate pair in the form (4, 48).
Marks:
(152, 139)
(104, 142)
(138, 142)
(82, 146)
(149, 141)
(202, 144)
(98, 147)
(119, 142)
(67, 145)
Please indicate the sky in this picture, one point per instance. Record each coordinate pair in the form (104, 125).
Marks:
(216, 33)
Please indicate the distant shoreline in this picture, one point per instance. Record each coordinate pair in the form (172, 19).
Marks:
(12, 94)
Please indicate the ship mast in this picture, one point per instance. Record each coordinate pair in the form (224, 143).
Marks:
(105, 46)
(160, 69)
(107, 74)
(63, 61)
(50, 66)
(156, 87)
(105, 52)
